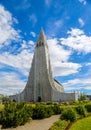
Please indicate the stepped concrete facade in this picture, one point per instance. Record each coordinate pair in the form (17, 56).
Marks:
(41, 86)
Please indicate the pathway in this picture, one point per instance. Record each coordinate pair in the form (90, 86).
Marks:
(43, 124)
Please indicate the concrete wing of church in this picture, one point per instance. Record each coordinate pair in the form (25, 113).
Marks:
(41, 86)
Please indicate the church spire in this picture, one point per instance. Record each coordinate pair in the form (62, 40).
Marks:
(41, 39)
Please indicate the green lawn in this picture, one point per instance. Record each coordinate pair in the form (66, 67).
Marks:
(83, 124)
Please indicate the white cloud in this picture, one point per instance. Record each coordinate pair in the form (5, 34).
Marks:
(31, 42)
(21, 61)
(59, 59)
(72, 82)
(33, 19)
(24, 4)
(7, 32)
(77, 40)
(75, 32)
(10, 83)
(57, 52)
(54, 26)
(58, 23)
(78, 84)
(64, 69)
(88, 64)
(24, 44)
(81, 22)
(33, 34)
(27, 45)
(83, 2)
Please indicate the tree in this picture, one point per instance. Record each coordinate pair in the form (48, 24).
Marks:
(5, 99)
(82, 96)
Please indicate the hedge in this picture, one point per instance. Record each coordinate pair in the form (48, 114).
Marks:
(81, 110)
(69, 114)
(15, 114)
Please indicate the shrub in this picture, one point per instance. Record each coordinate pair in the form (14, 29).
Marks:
(59, 125)
(49, 103)
(42, 111)
(57, 109)
(23, 115)
(28, 109)
(0, 117)
(69, 114)
(15, 114)
(49, 111)
(81, 110)
(88, 107)
(39, 112)
(66, 103)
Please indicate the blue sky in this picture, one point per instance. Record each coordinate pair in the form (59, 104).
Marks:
(67, 25)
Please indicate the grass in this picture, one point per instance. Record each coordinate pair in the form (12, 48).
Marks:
(83, 124)
(59, 125)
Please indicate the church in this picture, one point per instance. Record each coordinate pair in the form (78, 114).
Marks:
(41, 86)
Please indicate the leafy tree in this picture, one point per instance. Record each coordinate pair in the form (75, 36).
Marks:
(5, 99)
(82, 96)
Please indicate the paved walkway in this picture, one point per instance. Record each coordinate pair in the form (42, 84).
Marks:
(43, 124)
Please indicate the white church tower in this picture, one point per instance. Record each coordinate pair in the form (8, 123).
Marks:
(40, 81)
(41, 85)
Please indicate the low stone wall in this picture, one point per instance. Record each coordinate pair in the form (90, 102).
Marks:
(63, 97)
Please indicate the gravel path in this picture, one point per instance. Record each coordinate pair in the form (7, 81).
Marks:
(43, 124)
